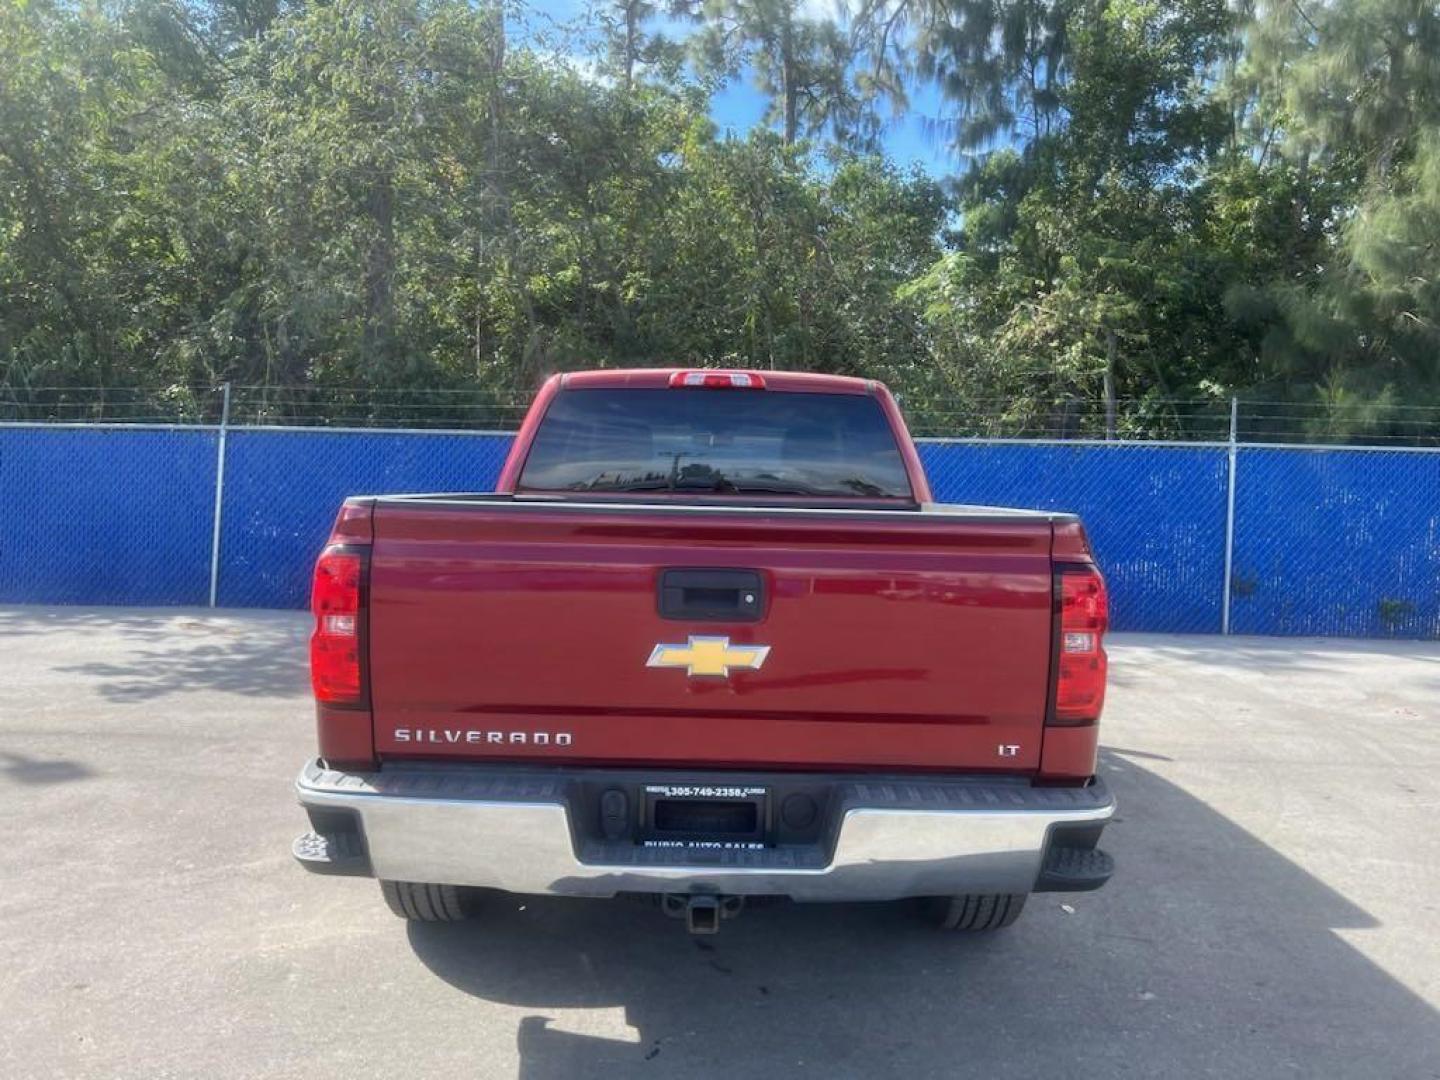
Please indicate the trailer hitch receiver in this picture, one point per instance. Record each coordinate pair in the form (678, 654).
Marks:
(702, 912)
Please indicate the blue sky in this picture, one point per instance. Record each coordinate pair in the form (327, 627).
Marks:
(740, 107)
(907, 142)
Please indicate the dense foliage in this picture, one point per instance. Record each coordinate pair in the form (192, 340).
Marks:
(1155, 204)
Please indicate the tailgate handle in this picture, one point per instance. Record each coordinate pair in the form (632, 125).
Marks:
(719, 595)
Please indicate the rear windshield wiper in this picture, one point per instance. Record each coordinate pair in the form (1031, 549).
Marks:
(778, 487)
(707, 484)
(599, 483)
(725, 485)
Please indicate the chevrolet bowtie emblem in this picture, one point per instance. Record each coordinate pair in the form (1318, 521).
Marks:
(709, 656)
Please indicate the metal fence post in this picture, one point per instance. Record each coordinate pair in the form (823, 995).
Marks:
(1229, 517)
(219, 495)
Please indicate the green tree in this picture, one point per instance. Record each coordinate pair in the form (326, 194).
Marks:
(630, 45)
(1001, 64)
(1082, 274)
(344, 206)
(1352, 92)
(801, 64)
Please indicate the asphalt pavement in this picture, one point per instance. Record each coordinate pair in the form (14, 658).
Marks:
(1276, 911)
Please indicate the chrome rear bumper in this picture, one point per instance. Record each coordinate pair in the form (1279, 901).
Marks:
(509, 829)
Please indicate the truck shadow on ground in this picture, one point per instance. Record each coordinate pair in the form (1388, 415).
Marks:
(1210, 955)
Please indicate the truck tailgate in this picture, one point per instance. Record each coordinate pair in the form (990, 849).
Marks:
(501, 629)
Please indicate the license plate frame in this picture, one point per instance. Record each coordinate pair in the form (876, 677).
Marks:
(705, 817)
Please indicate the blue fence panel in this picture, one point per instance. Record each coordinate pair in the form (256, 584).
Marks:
(1342, 543)
(105, 515)
(282, 489)
(1155, 516)
(1330, 542)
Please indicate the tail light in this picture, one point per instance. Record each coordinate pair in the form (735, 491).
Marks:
(340, 642)
(1081, 666)
(337, 663)
(719, 380)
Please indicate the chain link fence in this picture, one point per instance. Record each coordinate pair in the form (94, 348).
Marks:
(1155, 514)
(1321, 540)
(282, 489)
(96, 515)
(1336, 542)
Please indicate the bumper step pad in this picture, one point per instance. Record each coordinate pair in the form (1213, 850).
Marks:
(332, 853)
(1074, 870)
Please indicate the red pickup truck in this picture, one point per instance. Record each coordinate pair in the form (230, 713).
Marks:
(709, 639)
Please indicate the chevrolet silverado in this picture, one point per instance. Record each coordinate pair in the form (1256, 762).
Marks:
(709, 639)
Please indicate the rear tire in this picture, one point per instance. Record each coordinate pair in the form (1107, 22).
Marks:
(974, 912)
(422, 902)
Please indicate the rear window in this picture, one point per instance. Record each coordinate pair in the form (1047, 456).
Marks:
(758, 442)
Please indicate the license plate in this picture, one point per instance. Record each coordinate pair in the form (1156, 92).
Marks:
(705, 816)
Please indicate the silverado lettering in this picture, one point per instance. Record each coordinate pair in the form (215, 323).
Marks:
(493, 738)
(797, 674)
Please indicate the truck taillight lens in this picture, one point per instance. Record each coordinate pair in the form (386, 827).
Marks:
(1084, 618)
(335, 646)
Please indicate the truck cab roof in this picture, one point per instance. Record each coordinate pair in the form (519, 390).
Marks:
(659, 378)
